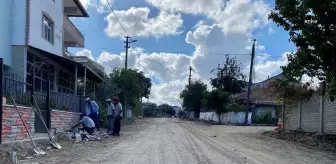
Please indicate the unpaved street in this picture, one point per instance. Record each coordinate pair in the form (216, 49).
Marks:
(173, 141)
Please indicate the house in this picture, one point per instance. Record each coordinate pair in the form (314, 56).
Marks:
(35, 37)
(264, 84)
(177, 109)
(261, 100)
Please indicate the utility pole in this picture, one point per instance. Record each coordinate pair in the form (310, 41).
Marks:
(249, 83)
(127, 42)
(190, 69)
(126, 47)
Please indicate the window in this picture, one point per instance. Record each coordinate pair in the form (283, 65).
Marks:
(47, 29)
(65, 82)
(43, 72)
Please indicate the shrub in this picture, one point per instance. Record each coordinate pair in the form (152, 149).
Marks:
(264, 118)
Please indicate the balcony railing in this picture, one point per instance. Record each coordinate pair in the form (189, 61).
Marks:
(76, 39)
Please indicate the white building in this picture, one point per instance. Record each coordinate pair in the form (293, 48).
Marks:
(36, 35)
(177, 110)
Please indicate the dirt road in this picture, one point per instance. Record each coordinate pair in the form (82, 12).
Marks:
(173, 141)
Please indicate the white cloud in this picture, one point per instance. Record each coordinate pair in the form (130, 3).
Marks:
(211, 45)
(100, 5)
(86, 53)
(230, 33)
(196, 7)
(240, 16)
(137, 22)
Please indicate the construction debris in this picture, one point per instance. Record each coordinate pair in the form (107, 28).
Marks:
(76, 135)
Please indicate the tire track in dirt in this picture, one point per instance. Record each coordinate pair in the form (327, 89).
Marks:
(213, 146)
(180, 147)
(251, 155)
(261, 151)
(192, 145)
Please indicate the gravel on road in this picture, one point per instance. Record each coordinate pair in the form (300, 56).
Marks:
(175, 141)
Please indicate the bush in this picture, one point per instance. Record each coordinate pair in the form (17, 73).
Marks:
(137, 108)
(102, 114)
(265, 118)
(234, 107)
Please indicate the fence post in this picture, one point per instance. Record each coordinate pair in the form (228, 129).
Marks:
(299, 114)
(48, 106)
(1, 105)
(322, 94)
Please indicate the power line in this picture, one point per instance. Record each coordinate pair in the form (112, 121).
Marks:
(158, 62)
(128, 35)
(116, 17)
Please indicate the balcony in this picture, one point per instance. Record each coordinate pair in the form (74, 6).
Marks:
(72, 36)
(74, 8)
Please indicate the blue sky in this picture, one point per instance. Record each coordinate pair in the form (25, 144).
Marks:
(168, 35)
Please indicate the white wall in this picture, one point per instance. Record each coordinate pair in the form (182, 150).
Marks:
(55, 11)
(5, 31)
(227, 118)
(19, 22)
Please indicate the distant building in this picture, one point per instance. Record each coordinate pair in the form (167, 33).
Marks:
(150, 109)
(264, 84)
(177, 110)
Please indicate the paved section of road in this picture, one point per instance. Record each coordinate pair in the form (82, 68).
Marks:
(173, 141)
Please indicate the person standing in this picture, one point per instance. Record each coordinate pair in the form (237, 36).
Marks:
(117, 116)
(92, 110)
(110, 116)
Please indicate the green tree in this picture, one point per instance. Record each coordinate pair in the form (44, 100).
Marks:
(192, 96)
(145, 84)
(311, 26)
(218, 101)
(133, 85)
(229, 78)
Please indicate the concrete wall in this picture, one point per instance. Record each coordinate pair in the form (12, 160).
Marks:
(62, 120)
(6, 31)
(317, 115)
(19, 13)
(227, 118)
(12, 126)
(19, 62)
(54, 10)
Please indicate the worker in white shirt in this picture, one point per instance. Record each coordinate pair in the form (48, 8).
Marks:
(117, 116)
(110, 115)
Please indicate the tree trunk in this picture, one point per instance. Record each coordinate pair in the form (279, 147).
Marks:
(219, 118)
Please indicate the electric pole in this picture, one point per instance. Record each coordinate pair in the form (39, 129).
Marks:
(190, 69)
(127, 42)
(126, 47)
(249, 83)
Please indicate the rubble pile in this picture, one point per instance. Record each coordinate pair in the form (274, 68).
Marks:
(5, 156)
(77, 135)
(325, 142)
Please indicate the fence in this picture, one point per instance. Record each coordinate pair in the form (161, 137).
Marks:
(318, 115)
(14, 85)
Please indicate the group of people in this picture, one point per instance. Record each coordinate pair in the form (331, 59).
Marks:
(90, 119)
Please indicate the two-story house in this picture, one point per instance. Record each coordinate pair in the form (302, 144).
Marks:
(35, 37)
(37, 34)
